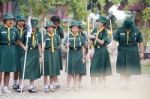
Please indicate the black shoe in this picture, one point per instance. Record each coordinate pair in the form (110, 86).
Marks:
(57, 87)
(15, 87)
(19, 90)
(32, 90)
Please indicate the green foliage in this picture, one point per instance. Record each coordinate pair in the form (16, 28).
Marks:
(146, 35)
(36, 7)
(146, 14)
(78, 9)
(4, 1)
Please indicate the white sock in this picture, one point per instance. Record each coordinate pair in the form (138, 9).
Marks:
(46, 86)
(31, 87)
(51, 86)
(56, 83)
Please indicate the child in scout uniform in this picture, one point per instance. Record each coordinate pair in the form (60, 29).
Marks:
(32, 68)
(8, 37)
(76, 60)
(100, 64)
(20, 25)
(51, 58)
(60, 33)
(130, 50)
(83, 34)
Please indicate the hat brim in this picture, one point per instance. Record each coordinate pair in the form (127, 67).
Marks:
(20, 20)
(50, 26)
(74, 25)
(35, 26)
(9, 19)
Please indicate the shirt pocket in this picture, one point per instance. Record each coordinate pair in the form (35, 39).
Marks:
(122, 37)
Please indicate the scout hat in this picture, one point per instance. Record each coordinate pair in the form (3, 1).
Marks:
(128, 23)
(75, 23)
(102, 19)
(8, 16)
(34, 22)
(82, 26)
(49, 23)
(20, 17)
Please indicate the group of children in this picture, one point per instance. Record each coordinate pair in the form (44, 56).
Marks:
(15, 42)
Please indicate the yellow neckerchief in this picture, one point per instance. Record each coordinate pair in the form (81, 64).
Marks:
(52, 40)
(74, 42)
(128, 36)
(8, 33)
(33, 38)
(98, 34)
(21, 30)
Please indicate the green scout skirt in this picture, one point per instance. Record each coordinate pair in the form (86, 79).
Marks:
(19, 53)
(76, 65)
(100, 65)
(51, 64)
(7, 58)
(32, 69)
(60, 59)
(128, 60)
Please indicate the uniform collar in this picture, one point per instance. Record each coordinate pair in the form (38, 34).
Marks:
(20, 28)
(51, 35)
(7, 26)
(75, 35)
(100, 30)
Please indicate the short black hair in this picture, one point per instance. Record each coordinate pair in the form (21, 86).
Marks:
(55, 19)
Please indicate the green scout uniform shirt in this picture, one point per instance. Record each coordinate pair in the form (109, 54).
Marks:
(33, 40)
(8, 36)
(128, 39)
(103, 35)
(51, 41)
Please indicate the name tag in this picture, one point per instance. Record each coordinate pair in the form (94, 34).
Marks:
(122, 34)
(47, 39)
(3, 32)
(71, 38)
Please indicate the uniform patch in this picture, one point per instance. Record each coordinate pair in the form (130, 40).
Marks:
(71, 38)
(47, 39)
(122, 34)
(4, 32)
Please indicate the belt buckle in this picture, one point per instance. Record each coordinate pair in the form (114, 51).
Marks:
(9, 44)
(75, 49)
(31, 48)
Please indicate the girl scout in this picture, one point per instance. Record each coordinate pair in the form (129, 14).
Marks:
(51, 65)
(20, 25)
(100, 65)
(32, 69)
(60, 33)
(76, 66)
(8, 37)
(130, 50)
(81, 32)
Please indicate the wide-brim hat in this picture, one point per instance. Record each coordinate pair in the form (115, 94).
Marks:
(8, 16)
(34, 22)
